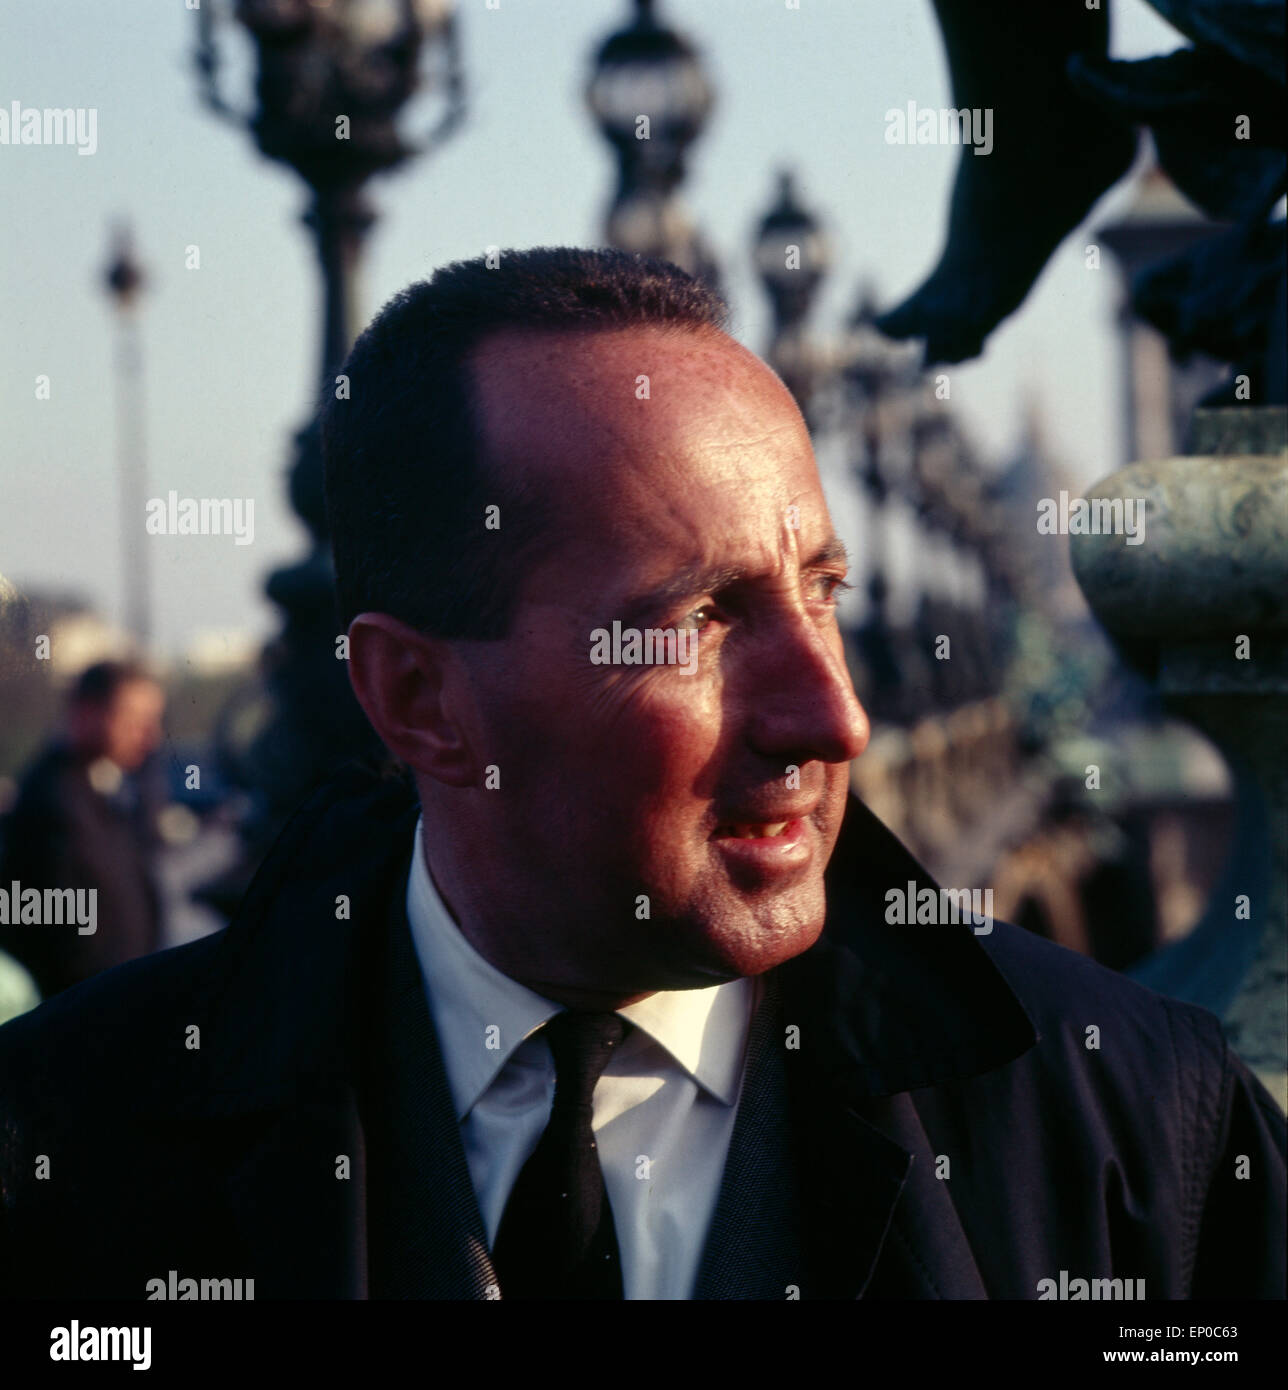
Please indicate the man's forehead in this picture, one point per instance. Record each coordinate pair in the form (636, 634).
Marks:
(621, 380)
(661, 452)
(592, 347)
(677, 542)
(630, 407)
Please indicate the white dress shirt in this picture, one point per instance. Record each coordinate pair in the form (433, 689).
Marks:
(664, 1107)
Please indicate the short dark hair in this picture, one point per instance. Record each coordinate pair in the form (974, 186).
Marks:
(406, 486)
(98, 684)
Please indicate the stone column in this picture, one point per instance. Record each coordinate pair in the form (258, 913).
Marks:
(1202, 606)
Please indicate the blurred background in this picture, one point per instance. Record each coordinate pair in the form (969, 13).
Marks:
(176, 291)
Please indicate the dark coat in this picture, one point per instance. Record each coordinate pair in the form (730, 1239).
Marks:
(309, 1142)
(62, 833)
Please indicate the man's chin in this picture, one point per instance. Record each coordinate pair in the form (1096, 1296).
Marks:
(750, 942)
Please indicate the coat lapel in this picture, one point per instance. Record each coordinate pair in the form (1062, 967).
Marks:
(281, 1043)
(854, 1178)
(926, 1254)
(300, 1217)
(427, 1237)
(880, 1011)
(862, 1019)
(753, 1246)
(809, 1186)
(404, 1223)
(321, 1048)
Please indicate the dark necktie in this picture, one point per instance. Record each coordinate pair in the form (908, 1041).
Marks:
(556, 1238)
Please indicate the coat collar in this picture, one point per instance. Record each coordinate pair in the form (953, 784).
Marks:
(882, 1009)
(898, 1007)
(873, 1012)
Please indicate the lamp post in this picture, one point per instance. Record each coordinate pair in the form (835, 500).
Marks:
(878, 377)
(650, 98)
(332, 77)
(965, 534)
(124, 280)
(792, 254)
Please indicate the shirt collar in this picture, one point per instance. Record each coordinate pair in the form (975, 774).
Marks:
(703, 1030)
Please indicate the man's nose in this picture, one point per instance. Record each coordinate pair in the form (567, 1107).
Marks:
(803, 704)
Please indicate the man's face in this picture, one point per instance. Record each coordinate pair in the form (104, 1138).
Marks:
(127, 728)
(657, 827)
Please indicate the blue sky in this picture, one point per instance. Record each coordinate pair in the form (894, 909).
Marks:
(231, 348)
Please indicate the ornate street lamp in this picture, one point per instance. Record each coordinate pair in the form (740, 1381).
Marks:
(792, 254)
(332, 77)
(650, 97)
(879, 376)
(124, 280)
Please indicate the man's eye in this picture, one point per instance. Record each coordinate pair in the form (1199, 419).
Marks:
(833, 585)
(699, 617)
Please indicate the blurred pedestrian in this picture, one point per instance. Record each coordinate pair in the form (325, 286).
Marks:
(82, 821)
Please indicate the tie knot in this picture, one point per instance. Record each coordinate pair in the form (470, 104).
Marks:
(581, 1043)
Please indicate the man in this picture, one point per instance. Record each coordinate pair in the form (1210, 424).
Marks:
(81, 823)
(583, 1017)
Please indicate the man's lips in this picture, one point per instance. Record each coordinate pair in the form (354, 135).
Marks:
(767, 850)
(753, 831)
(761, 823)
(767, 843)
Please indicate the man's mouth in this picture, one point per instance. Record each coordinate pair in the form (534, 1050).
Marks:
(742, 823)
(764, 850)
(761, 830)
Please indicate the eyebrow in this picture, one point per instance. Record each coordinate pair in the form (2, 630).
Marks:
(701, 579)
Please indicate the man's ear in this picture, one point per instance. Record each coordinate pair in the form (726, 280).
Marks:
(409, 686)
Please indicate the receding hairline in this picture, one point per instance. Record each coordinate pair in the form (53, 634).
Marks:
(492, 345)
(495, 342)
(497, 338)
(406, 453)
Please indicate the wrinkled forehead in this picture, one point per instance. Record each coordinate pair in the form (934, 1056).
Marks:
(639, 434)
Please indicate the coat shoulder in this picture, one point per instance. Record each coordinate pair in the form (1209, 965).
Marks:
(1066, 992)
(1128, 1050)
(111, 1038)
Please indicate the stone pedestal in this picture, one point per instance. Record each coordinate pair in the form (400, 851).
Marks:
(1201, 606)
